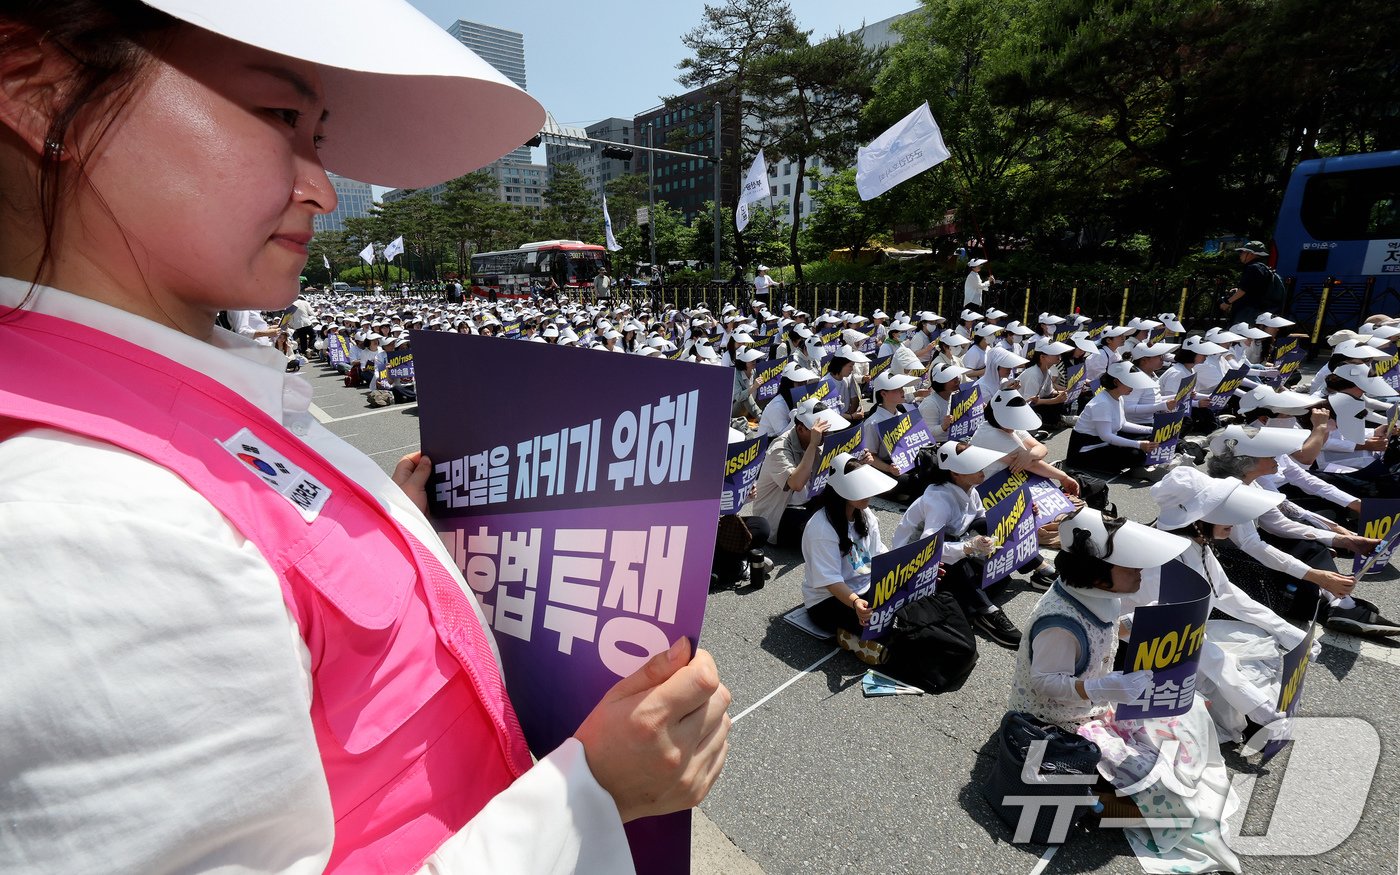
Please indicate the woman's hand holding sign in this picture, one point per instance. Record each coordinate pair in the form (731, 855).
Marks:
(658, 739)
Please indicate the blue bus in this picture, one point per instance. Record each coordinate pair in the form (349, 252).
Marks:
(1339, 227)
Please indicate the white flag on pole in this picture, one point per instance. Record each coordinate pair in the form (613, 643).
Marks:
(395, 248)
(326, 261)
(755, 189)
(911, 146)
(613, 245)
(368, 253)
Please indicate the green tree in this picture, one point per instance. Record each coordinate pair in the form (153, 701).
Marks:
(572, 211)
(840, 219)
(724, 46)
(471, 215)
(813, 95)
(330, 244)
(625, 194)
(949, 54)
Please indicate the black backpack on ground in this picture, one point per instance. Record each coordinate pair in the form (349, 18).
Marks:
(931, 644)
(1095, 493)
(1065, 755)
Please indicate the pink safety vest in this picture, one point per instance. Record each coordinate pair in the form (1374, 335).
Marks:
(415, 731)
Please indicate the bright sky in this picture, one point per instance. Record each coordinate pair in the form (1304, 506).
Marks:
(587, 62)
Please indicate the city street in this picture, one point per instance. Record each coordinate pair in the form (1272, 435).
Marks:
(821, 779)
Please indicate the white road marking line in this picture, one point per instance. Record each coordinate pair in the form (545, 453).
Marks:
(792, 680)
(395, 450)
(392, 408)
(1361, 646)
(321, 415)
(1045, 859)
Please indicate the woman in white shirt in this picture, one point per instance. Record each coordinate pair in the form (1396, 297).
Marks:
(902, 358)
(1001, 370)
(1140, 405)
(1042, 383)
(777, 415)
(1203, 510)
(944, 382)
(950, 505)
(837, 545)
(1292, 569)
(1102, 438)
(169, 713)
(1063, 676)
(889, 392)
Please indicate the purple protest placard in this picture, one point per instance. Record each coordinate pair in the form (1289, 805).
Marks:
(877, 367)
(741, 473)
(899, 576)
(833, 392)
(1185, 391)
(586, 531)
(338, 350)
(1166, 431)
(869, 346)
(511, 329)
(848, 440)
(1074, 383)
(1380, 519)
(966, 408)
(1010, 522)
(1387, 370)
(1295, 669)
(831, 340)
(1225, 389)
(902, 437)
(768, 374)
(1166, 639)
(400, 364)
(1048, 500)
(797, 394)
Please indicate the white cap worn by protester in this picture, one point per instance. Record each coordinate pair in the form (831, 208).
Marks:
(1187, 495)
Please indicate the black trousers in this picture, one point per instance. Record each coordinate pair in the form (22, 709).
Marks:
(305, 338)
(1105, 458)
(790, 527)
(832, 614)
(1049, 413)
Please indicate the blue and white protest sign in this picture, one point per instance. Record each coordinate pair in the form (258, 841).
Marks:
(741, 473)
(848, 440)
(1166, 431)
(1074, 383)
(1225, 389)
(400, 365)
(1166, 639)
(902, 437)
(899, 576)
(1380, 519)
(1010, 523)
(768, 375)
(586, 536)
(967, 408)
(1295, 670)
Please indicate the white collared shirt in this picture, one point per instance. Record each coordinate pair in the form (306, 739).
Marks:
(162, 719)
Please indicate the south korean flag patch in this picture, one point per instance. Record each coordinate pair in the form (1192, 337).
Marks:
(307, 494)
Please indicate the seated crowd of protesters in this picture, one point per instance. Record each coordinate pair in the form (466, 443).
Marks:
(1261, 495)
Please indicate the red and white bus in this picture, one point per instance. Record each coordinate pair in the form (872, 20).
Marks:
(519, 273)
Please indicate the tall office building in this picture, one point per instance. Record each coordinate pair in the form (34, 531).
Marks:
(597, 170)
(782, 175)
(354, 200)
(687, 126)
(502, 49)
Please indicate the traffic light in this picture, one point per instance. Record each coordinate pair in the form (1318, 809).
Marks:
(619, 152)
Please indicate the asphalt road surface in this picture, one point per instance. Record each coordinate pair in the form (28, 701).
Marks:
(821, 779)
